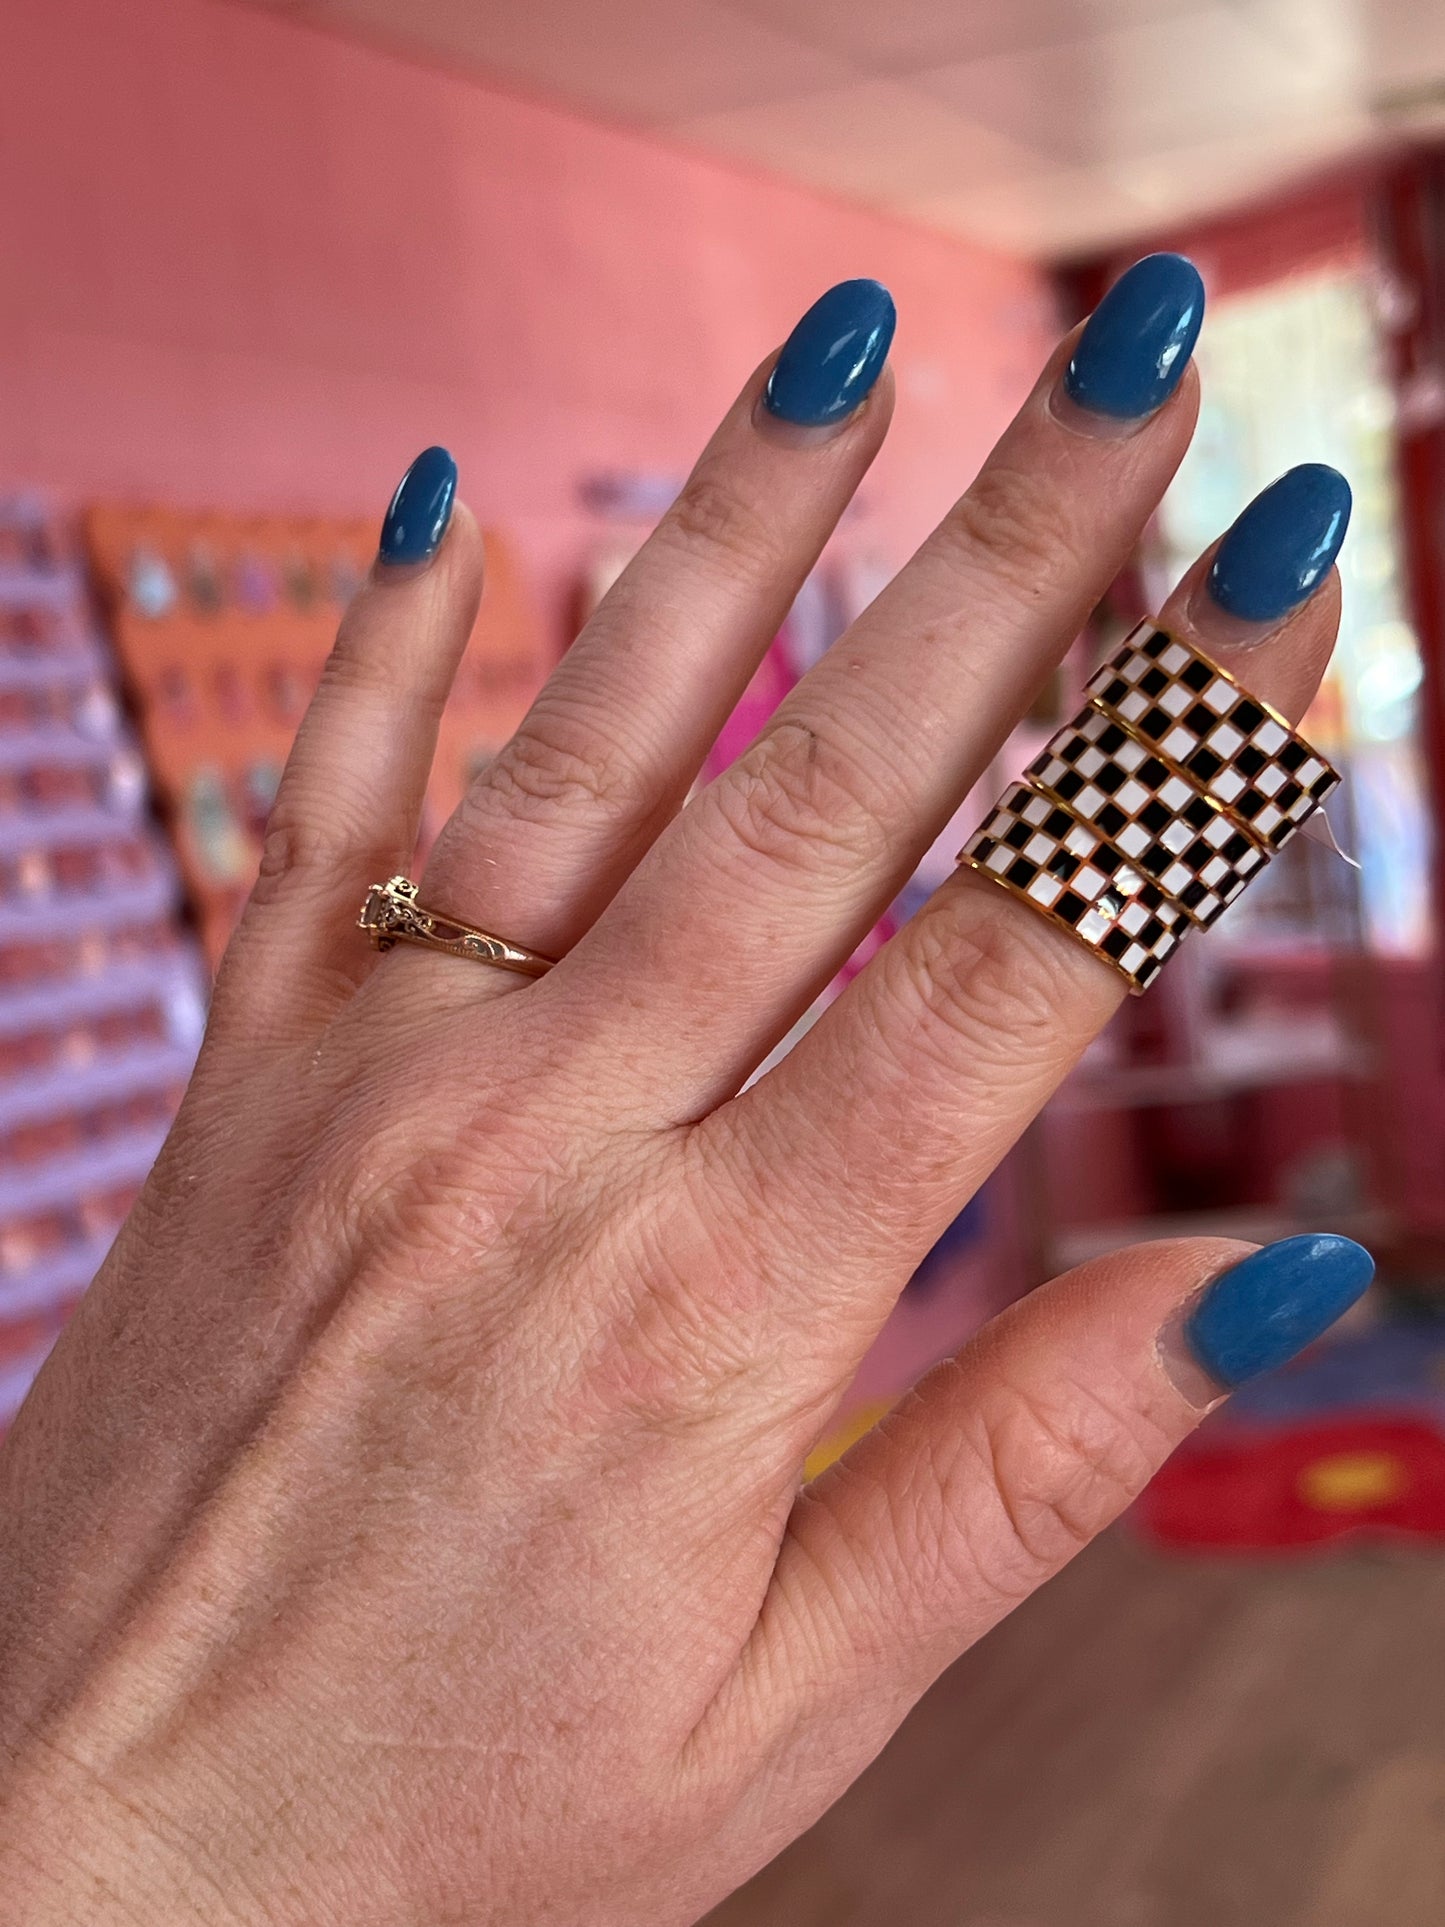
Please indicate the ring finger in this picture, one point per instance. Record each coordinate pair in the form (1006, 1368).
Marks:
(610, 748)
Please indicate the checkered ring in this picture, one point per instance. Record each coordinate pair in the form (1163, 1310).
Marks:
(1199, 719)
(1063, 865)
(1150, 811)
(1164, 825)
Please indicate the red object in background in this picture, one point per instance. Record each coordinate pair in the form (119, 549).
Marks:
(1306, 1486)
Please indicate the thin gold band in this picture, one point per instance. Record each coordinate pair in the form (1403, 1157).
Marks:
(392, 915)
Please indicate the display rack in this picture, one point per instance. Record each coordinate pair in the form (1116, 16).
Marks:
(101, 989)
(223, 623)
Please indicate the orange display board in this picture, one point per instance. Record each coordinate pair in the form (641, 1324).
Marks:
(222, 625)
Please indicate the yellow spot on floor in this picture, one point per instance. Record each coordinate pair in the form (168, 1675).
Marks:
(1352, 1481)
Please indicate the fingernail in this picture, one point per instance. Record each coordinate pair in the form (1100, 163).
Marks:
(1283, 545)
(421, 509)
(1260, 1312)
(833, 357)
(1137, 342)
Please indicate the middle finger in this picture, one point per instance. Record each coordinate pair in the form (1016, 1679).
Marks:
(747, 906)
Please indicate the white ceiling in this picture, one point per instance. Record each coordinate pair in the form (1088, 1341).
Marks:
(1047, 127)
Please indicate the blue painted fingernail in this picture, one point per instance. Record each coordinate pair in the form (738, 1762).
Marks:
(832, 358)
(1260, 1312)
(1137, 342)
(1283, 546)
(421, 508)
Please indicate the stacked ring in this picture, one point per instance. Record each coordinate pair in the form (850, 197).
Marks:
(1181, 837)
(1150, 811)
(1239, 750)
(1064, 866)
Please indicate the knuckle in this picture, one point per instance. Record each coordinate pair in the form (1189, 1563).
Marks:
(1008, 520)
(556, 766)
(662, 1362)
(795, 801)
(350, 658)
(711, 517)
(304, 849)
(983, 979)
(356, 667)
(1062, 1467)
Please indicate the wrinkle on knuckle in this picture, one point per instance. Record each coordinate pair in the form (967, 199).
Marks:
(1008, 521)
(927, 1550)
(981, 982)
(304, 849)
(351, 663)
(713, 520)
(557, 765)
(1061, 1467)
(796, 802)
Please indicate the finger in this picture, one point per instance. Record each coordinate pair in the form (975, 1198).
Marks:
(778, 869)
(349, 803)
(606, 755)
(1004, 1464)
(924, 1072)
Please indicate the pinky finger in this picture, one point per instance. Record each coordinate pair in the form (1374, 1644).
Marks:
(349, 805)
(1004, 1463)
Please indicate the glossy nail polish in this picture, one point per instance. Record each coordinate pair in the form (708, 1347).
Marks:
(1283, 545)
(1137, 342)
(1259, 1313)
(421, 509)
(833, 357)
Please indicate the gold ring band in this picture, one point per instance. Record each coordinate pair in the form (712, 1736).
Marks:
(392, 915)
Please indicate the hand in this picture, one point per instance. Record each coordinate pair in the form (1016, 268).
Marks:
(407, 1528)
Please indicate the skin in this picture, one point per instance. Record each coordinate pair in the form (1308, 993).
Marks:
(407, 1529)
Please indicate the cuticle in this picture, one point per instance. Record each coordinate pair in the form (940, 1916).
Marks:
(803, 435)
(1091, 424)
(1205, 614)
(1195, 1383)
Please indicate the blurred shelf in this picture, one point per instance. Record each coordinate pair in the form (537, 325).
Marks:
(73, 667)
(108, 1078)
(1252, 1224)
(79, 826)
(1234, 1058)
(53, 588)
(55, 1002)
(26, 1190)
(70, 913)
(52, 1282)
(62, 747)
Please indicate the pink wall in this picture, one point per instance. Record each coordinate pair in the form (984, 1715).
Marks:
(251, 265)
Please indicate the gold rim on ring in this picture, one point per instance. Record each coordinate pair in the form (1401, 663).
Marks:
(392, 915)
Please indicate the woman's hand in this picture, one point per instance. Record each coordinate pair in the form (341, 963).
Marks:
(407, 1529)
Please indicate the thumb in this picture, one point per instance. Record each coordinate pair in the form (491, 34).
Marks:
(1002, 1465)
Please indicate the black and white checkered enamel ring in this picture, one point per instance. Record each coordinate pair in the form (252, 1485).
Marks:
(1241, 753)
(1166, 825)
(1066, 867)
(1152, 809)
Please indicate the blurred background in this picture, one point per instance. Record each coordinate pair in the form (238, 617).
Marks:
(257, 255)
